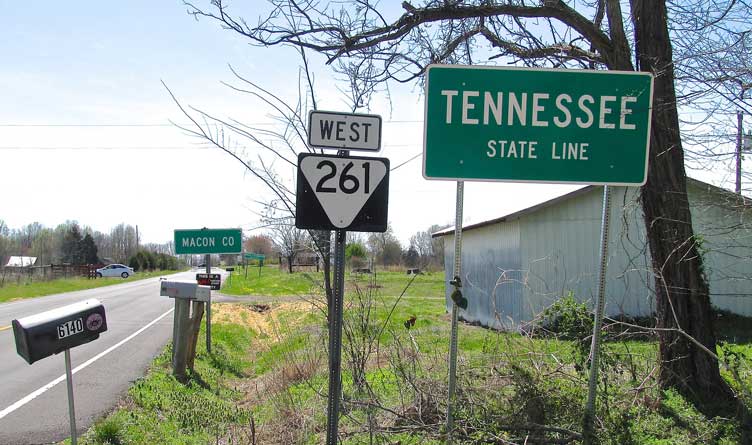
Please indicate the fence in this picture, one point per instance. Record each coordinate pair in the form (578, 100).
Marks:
(30, 274)
(302, 263)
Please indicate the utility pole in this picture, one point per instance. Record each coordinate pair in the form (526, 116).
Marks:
(739, 146)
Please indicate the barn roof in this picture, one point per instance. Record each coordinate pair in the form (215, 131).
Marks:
(21, 261)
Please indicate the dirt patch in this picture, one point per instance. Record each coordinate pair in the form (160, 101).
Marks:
(260, 308)
(263, 318)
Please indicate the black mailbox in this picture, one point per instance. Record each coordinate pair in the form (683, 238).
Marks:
(41, 335)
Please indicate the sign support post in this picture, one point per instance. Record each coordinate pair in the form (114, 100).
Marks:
(598, 321)
(180, 340)
(456, 298)
(335, 338)
(602, 140)
(341, 193)
(71, 407)
(208, 308)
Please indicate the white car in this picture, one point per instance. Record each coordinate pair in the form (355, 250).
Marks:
(115, 270)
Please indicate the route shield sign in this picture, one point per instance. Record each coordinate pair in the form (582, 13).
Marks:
(342, 193)
(537, 125)
(208, 241)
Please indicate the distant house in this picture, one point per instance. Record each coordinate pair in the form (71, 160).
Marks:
(516, 265)
(21, 261)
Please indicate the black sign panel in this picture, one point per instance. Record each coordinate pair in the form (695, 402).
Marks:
(342, 193)
(209, 279)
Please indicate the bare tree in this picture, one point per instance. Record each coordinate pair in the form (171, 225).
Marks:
(431, 251)
(360, 42)
(289, 240)
(713, 60)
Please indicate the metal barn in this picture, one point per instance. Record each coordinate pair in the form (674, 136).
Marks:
(515, 266)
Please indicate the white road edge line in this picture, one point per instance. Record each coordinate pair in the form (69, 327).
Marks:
(48, 386)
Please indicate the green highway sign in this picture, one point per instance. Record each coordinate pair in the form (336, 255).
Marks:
(537, 125)
(254, 256)
(207, 241)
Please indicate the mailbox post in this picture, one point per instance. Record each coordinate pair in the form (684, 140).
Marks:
(183, 339)
(48, 333)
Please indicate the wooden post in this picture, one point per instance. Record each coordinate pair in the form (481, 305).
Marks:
(193, 330)
(180, 338)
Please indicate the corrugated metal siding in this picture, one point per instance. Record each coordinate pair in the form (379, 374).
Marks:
(724, 227)
(491, 277)
(535, 260)
(561, 249)
(630, 283)
(559, 244)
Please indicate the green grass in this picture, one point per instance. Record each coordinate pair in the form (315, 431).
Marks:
(530, 369)
(275, 282)
(503, 379)
(159, 409)
(429, 284)
(271, 282)
(41, 288)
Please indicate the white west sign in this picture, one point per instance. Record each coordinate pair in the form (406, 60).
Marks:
(344, 131)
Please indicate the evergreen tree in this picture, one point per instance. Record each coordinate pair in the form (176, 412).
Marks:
(89, 251)
(71, 246)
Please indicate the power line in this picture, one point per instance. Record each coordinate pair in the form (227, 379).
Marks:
(159, 147)
(411, 159)
(162, 125)
(105, 148)
(86, 125)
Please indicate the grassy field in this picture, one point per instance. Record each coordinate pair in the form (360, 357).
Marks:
(267, 382)
(41, 288)
(274, 282)
(160, 410)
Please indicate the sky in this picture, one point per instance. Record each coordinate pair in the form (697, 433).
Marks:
(87, 134)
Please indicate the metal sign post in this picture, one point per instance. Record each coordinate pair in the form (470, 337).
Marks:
(335, 338)
(559, 126)
(457, 300)
(341, 193)
(208, 308)
(598, 321)
(71, 407)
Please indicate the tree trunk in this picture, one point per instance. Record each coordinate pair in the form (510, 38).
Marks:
(682, 299)
(289, 263)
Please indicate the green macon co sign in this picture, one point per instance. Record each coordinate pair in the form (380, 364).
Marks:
(537, 125)
(208, 241)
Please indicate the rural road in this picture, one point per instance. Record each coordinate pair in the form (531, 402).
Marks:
(33, 398)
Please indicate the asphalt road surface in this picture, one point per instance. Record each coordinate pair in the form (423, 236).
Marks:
(33, 398)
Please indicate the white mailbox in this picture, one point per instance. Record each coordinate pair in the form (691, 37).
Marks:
(185, 289)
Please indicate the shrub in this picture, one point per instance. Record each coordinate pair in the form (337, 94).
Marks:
(568, 319)
(108, 432)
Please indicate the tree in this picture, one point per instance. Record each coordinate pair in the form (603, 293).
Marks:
(385, 247)
(4, 242)
(262, 244)
(355, 253)
(123, 242)
(89, 250)
(411, 257)
(430, 251)
(289, 240)
(359, 42)
(713, 63)
(71, 247)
